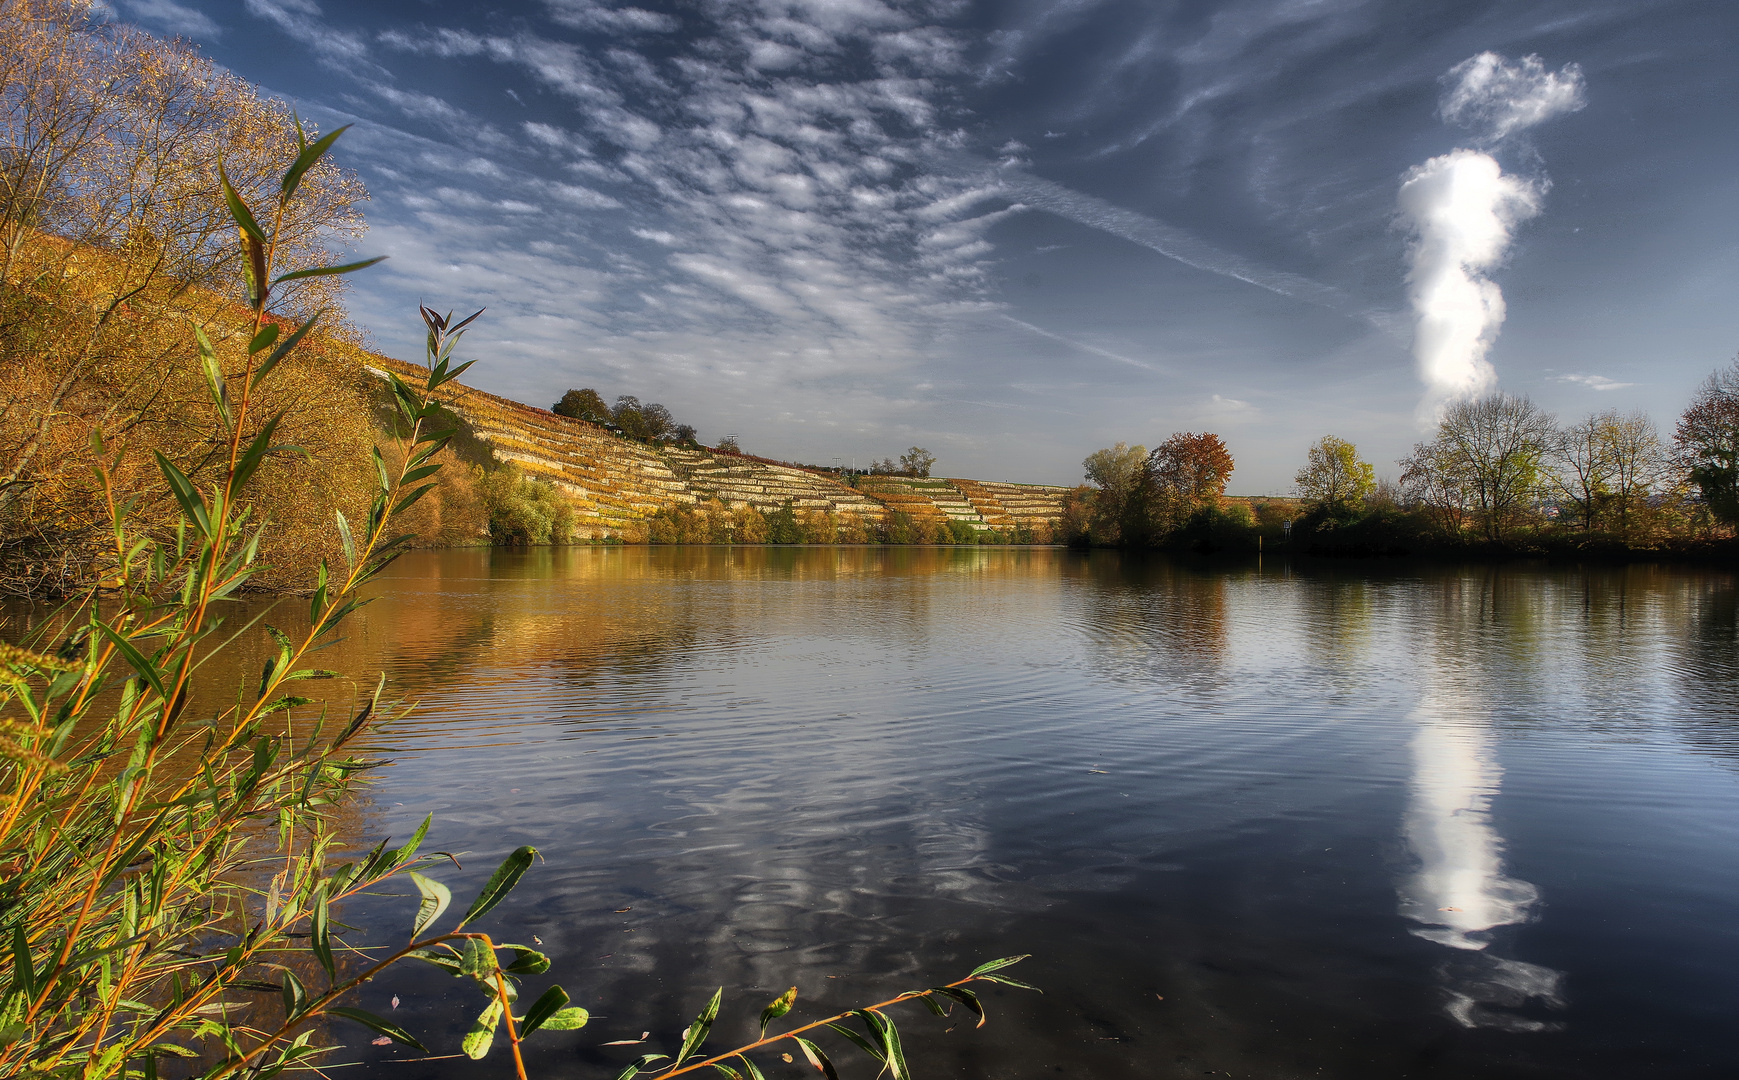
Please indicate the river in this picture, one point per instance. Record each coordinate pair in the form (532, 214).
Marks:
(1252, 820)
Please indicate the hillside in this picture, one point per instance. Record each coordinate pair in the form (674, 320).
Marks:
(615, 482)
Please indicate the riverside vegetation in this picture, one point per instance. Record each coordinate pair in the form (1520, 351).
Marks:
(1500, 475)
(172, 866)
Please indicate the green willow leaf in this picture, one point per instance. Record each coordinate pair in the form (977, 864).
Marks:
(816, 1058)
(482, 1034)
(546, 1006)
(993, 965)
(1006, 981)
(751, 1068)
(328, 271)
(307, 159)
(860, 1042)
(780, 1006)
(727, 1070)
(568, 1019)
(445, 961)
(639, 1066)
(964, 997)
(500, 883)
(477, 959)
(527, 960)
(369, 1020)
(697, 1032)
(436, 897)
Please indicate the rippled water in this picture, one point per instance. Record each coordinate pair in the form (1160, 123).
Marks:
(1250, 821)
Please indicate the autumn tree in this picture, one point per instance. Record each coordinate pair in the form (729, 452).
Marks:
(1191, 468)
(1582, 467)
(917, 461)
(114, 235)
(1333, 477)
(1485, 462)
(1708, 443)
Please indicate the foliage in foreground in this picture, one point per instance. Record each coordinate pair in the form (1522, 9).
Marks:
(169, 852)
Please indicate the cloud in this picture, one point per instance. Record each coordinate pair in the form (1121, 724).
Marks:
(1081, 345)
(1462, 211)
(1496, 98)
(1595, 382)
(172, 18)
(301, 20)
(588, 15)
(1224, 409)
(1175, 243)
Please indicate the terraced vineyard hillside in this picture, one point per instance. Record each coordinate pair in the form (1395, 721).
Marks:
(614, 482)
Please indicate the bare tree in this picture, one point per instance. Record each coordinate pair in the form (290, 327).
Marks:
(1486, 461)
(1583, 466)
(1640, 464)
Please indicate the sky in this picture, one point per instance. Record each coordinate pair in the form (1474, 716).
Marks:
(1016, 232)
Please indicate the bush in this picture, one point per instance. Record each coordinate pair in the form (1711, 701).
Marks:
(523, 510)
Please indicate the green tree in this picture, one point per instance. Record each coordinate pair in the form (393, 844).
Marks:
(1333, 477)
(917, 461)
(1115, 472)
(582, 405)
(1708, 443)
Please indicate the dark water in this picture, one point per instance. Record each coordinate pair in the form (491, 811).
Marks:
(1254, 822)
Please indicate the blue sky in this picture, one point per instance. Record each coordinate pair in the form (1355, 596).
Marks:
(1016, 232)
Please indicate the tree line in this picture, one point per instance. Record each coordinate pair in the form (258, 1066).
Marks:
(1499, 473)
(649, 422)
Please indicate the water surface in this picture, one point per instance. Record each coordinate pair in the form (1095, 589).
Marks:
(1266, 821)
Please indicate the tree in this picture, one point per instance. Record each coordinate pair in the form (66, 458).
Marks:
(1118, 473)
(1486, 461)
(1583, 467)
(111, 207)
(729, 445)
(658, 422)
(1640, 464)
(1334, 478)
(582, 405)
(917, 461)
(1191, 467)
(1708, 443)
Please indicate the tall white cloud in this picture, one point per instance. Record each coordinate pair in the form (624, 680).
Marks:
(1462, 210)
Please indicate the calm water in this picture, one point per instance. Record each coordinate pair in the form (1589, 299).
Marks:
(1250, 821)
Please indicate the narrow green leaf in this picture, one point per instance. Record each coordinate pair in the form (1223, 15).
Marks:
(1006, 981)
(930, 1003)
(445, 961)
(697, 1032)
(322, 937)
(369, 1020)
(307, 159)
(780, 1006)
(635, 1069)
(482, 1034)
(751, 1068)
(409, 851)
(328, 271)
(862, 1043)
(727, 1070)
(262, 340)
(238, 210)
(993, 965)
(546, 1006)
(964, 997)
(23, 968)
(214, 379)
(295, 995)
(436, 897)
(527, 962)
(880, 1030)
(150, 672)
(568, 1019)
(817, 1058)
(192, 502)
(500, 883)
(287, 346)
(346, 538)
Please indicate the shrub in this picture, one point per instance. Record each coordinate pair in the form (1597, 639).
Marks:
(523, 510)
